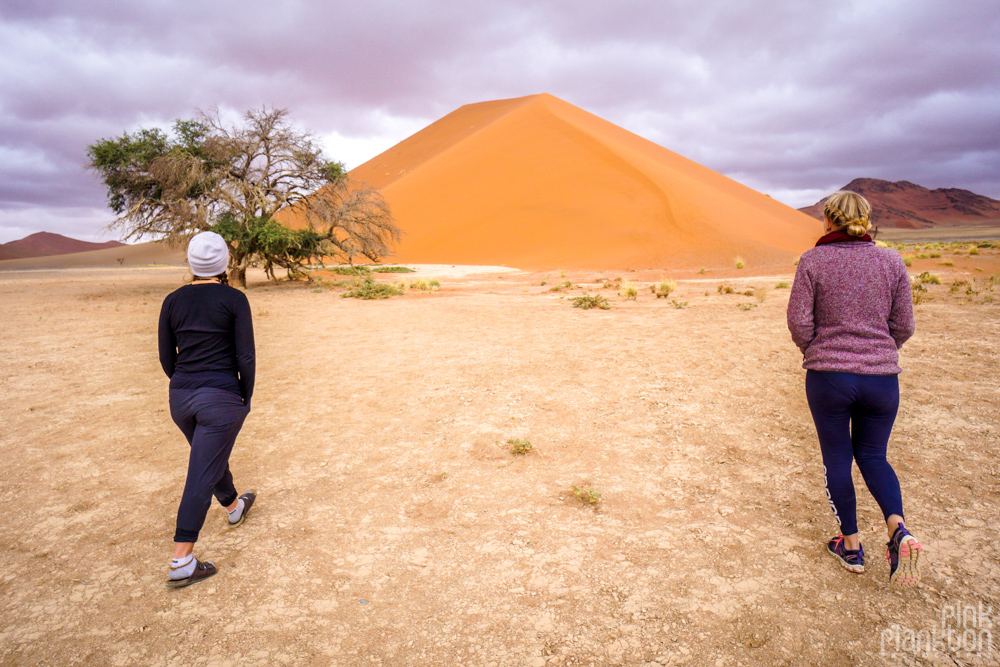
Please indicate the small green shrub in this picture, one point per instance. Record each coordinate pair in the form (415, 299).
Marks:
(422, 284)
(679, 304)
(392, 269)
(973, 250)
(349, 270)
(702, 271)
(345, 283)
(760, 293)
(922, 256)
(739, 262)
(935, 255)
(928, 277)
(519, 447)
(589, 301)
(946, 263)
(543, 283)
(588, 495)
(726, 289)
(370, 289)
(747, 306)
(907, 261)
(917, 291)
(782, 285)
(561, 286)
(663, 288)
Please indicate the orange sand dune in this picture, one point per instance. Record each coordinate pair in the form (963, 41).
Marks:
(535, 182)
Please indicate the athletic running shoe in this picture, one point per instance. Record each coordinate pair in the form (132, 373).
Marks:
(903, 553)
(853, 561)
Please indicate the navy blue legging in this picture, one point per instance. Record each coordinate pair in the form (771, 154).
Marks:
(854, 416)
(210, 419)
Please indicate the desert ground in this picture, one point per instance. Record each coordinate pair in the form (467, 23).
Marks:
(393, 525)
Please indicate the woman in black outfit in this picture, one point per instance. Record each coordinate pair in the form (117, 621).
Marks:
(207, 350)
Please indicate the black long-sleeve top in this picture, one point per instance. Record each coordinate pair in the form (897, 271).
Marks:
(206, 339)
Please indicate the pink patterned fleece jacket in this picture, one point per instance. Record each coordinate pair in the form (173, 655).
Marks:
(850, 309)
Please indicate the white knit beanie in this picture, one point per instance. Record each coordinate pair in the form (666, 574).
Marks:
(208, 254)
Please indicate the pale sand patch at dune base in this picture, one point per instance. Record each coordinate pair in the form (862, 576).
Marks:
(392, 527)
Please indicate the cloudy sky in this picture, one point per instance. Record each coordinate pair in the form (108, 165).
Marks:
(791, 97)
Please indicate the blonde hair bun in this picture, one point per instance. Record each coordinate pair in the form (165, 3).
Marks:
(849, 212)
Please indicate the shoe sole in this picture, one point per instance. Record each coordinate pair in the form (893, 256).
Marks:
(850, 567)
(908, 570)
(246, 510)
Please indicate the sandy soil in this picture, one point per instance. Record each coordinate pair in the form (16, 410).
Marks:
(393, 527)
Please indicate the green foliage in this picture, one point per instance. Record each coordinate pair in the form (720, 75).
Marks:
(746, 306)
(928, 277)
(422, 284)
(561, 286)
(587, 494)
(390, 269)
(739, 262)
(519, 447)
(234, 179)
(782, 285)
(349, 270)
(917, 292)
(679, 304)
(276, 244)
(663, 288)
(589, 301)
(967, 284)
(370, 289)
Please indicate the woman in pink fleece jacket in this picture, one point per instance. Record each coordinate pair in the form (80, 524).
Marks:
(849, 312)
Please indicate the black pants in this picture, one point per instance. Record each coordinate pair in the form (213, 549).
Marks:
(210, 419)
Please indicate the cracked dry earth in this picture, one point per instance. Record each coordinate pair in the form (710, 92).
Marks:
(394, 528)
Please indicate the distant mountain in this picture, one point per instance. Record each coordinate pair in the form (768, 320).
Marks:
(909, 206)
(45, 244)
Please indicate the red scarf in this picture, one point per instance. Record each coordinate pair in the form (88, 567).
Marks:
(841, 235)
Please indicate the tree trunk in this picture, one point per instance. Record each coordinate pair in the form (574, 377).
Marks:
(238, 277)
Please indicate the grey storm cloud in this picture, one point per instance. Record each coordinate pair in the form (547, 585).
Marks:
(793, 98)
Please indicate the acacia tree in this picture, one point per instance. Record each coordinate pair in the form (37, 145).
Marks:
(242, 181)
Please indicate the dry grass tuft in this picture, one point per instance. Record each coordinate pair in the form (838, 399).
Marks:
(628, 290)
(663, 288)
